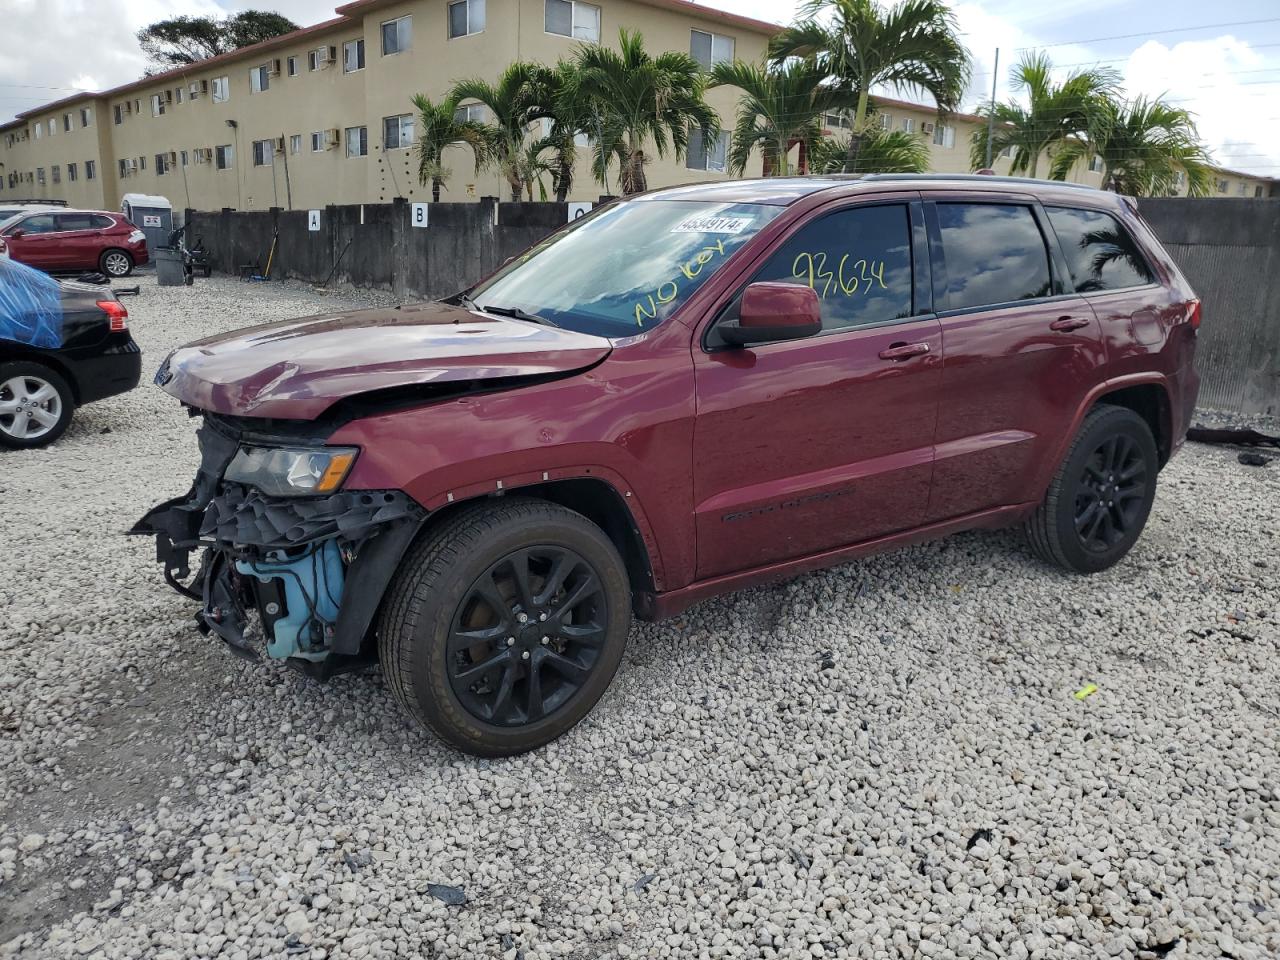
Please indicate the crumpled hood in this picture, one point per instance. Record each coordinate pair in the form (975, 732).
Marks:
(296, 369)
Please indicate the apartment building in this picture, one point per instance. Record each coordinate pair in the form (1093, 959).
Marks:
(323, 115)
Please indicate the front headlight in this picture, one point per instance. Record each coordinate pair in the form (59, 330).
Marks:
(291, 471)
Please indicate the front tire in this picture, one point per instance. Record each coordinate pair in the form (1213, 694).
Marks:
(505, 625)
(116, 263)
(1098, 502)
(36, 404)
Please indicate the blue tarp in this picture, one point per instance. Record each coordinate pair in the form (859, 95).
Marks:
(30, 306)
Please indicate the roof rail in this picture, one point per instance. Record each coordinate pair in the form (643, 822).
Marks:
(33, 200)
(976, 178)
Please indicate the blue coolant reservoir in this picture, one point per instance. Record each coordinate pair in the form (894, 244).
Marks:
(312, 585)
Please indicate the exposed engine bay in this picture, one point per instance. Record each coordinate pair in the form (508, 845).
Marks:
(312, 568)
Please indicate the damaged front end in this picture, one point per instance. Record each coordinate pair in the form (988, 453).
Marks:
(280, 539)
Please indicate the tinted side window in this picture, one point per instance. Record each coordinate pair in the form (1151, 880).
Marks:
(1099, 251)
(42, 223)
(102, 223)
(858, 261)
(994, 254)
(75, 221)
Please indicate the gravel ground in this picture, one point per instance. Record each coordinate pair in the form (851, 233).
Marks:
(882, 760)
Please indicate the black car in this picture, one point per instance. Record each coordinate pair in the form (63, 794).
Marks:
(62, 344)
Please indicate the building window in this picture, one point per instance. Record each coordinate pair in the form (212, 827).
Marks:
(569, 18)
(291, 65)
(1244, 189)
(944, 136)
(66, 123)
(142, 163)
(1257, 191)
(352, 56)
(397, 36)
(908, 125)
(1095, 164)
(886, 121)
(1007, 153)
(53, 126)
(117, 114)
(86, 117)
(157, 105)
(177, 94)
(72, 173)
(124, 168)
(39, 128)
(90, 169)
(320, 56)
(465, 18)
(702, 156)
(259, 79)
(221, 89)
(472, 111)
(262, 153)
(56, 172)
(357, 141)
(183, 157)
(397, 132)
(223, 157)
(1222, 185)
(317, 141)
(295, 143)
(710, 48)
(162, 164)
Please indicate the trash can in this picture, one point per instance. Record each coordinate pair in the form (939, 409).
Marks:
(169, 272)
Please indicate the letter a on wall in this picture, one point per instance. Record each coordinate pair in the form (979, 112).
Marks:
(313, 220)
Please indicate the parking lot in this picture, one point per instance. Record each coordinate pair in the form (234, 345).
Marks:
(887, 759)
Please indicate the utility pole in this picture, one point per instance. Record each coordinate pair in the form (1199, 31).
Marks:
(991, 114)
(288, 189)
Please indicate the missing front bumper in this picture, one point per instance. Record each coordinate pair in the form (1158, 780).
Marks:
(312, 569)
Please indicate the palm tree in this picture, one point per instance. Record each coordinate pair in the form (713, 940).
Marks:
(1143, 146)
(637, 99)
(1054, 112)
(882, 151)
(781, 105)
(441, 129)
(513, 104)
(568, 110)
(913, 46)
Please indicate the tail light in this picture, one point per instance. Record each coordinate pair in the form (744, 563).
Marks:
(1194, 318)
(118, 314)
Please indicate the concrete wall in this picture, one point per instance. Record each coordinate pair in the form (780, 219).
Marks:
(1230, 252)
(376, 245)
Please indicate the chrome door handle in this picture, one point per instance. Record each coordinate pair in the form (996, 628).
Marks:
(903, 351)
(1068, 323)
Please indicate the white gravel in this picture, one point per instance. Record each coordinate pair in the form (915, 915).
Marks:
(882, 760)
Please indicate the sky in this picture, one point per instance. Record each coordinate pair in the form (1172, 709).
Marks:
(1221, 61)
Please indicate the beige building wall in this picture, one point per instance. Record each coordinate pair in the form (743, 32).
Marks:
(189, 131)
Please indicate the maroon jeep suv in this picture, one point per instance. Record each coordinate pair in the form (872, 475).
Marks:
(682, 394)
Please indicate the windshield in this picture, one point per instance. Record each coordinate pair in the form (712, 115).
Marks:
(625, 269)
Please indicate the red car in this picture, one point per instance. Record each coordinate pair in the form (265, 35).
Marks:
(682, 394)
(75, 240)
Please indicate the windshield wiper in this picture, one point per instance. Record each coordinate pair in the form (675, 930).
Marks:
(518, 314)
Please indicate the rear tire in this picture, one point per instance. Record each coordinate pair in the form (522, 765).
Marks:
(1098, 501)
(36, 404)
(453, 647)
(115, 263)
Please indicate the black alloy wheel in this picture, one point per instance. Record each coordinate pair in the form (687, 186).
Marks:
(505, 624)
(527, 635)
(1098, 501)
(1110, 493)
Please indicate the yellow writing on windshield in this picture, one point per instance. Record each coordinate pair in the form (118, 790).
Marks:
(849, 276)
(669, 290)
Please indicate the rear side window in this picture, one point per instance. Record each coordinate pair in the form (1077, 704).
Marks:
(1100, 252)
(102, 223)
(858, 261)
(994, 254)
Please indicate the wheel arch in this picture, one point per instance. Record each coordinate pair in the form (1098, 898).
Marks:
(56, 365)
(1151, 401)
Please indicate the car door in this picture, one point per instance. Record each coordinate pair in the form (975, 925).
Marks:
(1021, 350)
(79, 238)
(812, 444)
(37, 245)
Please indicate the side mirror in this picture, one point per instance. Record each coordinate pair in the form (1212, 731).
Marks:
(17, 234)
(772, 311)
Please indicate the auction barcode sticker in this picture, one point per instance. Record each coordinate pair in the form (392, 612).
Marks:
(712, 224)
